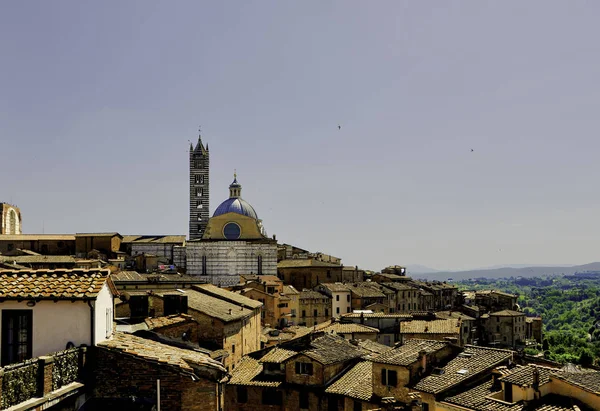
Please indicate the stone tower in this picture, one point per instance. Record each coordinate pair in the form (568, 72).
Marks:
(10, 219)
(199, 189)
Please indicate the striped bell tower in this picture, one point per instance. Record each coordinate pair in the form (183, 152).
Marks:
(199, 189)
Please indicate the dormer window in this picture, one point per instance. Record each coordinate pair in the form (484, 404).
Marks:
(304, 368)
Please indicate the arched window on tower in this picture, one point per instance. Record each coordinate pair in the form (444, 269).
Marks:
(259, 269)
(204, 265)
(199, 192)
(199, 206)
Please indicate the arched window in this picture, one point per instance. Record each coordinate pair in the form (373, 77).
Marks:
(204, 265)
(13, 222)
(259, 270)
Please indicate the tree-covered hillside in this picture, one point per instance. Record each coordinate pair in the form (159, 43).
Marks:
(569, 307)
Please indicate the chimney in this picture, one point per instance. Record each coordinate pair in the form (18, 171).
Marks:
(496, 384)
(423, 359)
(536, 378)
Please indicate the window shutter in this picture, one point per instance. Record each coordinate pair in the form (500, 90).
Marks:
(392, 378)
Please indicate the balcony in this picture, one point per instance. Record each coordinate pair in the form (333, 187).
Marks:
(42, 382)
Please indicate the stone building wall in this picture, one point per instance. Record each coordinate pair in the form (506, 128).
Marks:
(137, 378)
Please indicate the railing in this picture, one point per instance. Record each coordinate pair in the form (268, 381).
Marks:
(38, 377)
(19, 383)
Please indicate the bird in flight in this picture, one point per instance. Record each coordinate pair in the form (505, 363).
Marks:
(339, 127)
(472, 150)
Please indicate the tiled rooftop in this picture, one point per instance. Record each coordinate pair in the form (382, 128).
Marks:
(135, 277)
(36, 237)
(507, 313)
(523, 376)
(185, 360)
(230, 296)
(356, 383)
(215, 307)
(310, 294)
(430, 327)
(308, 262)
(277, 355)
(376, 315)
(155, 239)
(246, 372)
(366, 291)
(470, 363)
(290, 290)
(409, 352)
(335, 287)
(374, 348)
(52, 284)
(588, 380)
(160, 322)
(330, 349)
(39, 259)
(340, 328)
(453, 315)
(479, 399)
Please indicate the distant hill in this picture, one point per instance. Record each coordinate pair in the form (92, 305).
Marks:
(506, 272)
(418, 269)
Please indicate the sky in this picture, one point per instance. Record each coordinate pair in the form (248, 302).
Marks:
(469, 129)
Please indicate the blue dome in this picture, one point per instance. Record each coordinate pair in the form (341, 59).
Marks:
(236, 205)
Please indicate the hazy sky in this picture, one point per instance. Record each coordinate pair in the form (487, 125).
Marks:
(99, 99)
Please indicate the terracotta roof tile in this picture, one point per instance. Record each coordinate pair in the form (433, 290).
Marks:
(246, 371)
(589, 380)
(160, 322)
(330, 349)
(523, 376)
(277, 355)
(154, 351)
(471, 362)
(51, 284)
(341, 328)
(229, 296)
(430, 327)
(356, 383)
(409, 352)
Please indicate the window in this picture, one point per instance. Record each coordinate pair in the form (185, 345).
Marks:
(175, 304)
(304, 368)
(138, 305)
(327, 312)
(348, 297)
(303, 399)
(497, 328)
(204, 271)
(10, 247)
(242, 394)
(347, 309)
(357, 406)
(16, 336)
(199, 192)
(328, 273)
(389, 377)
(109, 322)
(337, 297)
(425, 407)
(337, 310)
(233, 348)
(260, 268)
(271, 290)
(303, 313)
(199, 206)
(272, 397)
(315, 314)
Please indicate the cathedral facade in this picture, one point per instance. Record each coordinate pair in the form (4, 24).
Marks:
(233, 241)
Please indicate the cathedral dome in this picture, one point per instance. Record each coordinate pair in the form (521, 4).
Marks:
(236, 205)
